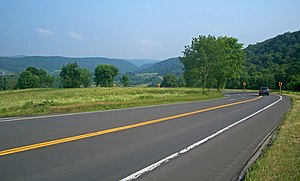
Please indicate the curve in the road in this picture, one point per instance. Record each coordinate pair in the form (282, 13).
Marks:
(198, 143)
(102, 132)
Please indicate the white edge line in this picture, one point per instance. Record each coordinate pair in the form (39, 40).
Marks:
(92, 112)
(167, 159)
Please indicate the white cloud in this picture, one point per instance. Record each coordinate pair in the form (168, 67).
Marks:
(76, 35)
(45, 32)
(197, 10)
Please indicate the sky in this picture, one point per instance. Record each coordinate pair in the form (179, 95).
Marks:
(136, 29)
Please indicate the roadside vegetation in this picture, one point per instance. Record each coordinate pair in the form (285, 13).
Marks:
(50, 101)
(281, 161)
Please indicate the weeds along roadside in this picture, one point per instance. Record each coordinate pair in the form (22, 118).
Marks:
(51, 101)
(281, 161)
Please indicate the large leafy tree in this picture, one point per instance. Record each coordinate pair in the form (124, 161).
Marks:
(70, 76)
(105, 74)
(34, 78)
(28, 80)
(211, 61)
(230, 64)
(169, 80)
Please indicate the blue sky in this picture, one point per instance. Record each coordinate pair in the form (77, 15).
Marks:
(138, 29)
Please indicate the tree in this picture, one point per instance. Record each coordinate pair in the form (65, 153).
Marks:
(294, 84)
(169, 80)
(3, 83)
(211, 61)
(34, 78)
(70, 76)
(125, 80)
(28, 80)
(105, 74)
(199, 59)
(230, 63)
(86, 77)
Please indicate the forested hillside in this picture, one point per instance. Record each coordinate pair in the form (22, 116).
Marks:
(172, 65)
(55, 63)
(276, 59)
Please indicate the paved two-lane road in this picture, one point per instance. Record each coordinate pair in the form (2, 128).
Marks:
(201, 136)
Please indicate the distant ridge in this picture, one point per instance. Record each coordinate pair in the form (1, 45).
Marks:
(18, 56)
(141, 62)
(54, 63)
(171, 65)
(145, 66)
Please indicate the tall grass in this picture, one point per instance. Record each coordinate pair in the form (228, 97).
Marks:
(49, 101)
(281, 162)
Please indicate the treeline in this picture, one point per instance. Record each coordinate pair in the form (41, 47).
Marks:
(54, 63)
(34, 78)
(71, 76)
(272, 61)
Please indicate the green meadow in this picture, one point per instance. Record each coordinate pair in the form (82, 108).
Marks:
(53, 101)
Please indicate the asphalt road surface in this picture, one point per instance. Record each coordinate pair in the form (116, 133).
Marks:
(210, 140)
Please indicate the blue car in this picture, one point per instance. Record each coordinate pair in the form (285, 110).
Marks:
(264, 91)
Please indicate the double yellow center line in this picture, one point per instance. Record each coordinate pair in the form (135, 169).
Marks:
(102, 132)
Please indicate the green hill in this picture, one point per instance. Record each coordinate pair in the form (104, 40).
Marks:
(275, 60)
(172, 65)
(283, 49)
(54, 63)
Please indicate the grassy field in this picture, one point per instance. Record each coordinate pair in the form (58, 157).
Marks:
(50, 101)
(281, 161)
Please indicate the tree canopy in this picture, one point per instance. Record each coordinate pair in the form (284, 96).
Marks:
(105, 74)
(169, 80)
(70, 76)
(34, 78)
(211, 61)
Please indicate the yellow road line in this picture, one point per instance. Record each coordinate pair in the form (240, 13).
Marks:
(102, 132)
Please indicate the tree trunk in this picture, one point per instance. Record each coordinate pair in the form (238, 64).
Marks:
(219, 86)
(204, 85)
